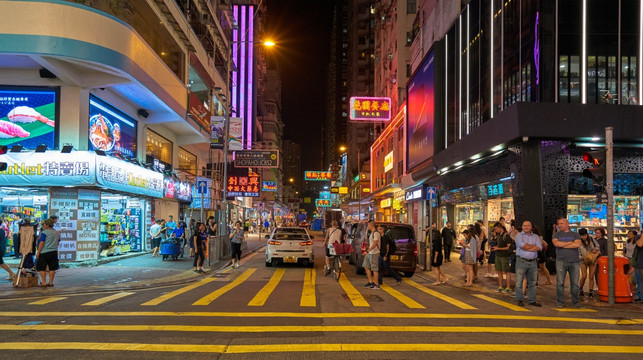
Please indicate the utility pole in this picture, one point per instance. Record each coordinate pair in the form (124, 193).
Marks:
(609, 188)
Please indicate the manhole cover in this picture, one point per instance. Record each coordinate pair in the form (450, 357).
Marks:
(29, 323)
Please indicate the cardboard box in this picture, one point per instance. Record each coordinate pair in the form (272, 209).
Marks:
(27, 281)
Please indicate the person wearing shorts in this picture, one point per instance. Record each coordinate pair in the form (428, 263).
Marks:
(47, 254)
(502, 256)
(371, 257)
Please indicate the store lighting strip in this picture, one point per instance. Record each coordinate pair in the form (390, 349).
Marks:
(460, 78)
(491, 56)
(242, 70)
(446, 91)
(584, 56)
(468, 73)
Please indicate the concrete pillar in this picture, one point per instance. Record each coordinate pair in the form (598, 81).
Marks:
(74, 117)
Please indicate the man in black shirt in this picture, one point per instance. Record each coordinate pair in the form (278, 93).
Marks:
(448, 237)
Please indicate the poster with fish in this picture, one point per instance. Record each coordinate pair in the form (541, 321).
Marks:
(110, 129)
(28, 116)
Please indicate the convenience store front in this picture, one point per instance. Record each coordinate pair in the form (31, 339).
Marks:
(103, 203)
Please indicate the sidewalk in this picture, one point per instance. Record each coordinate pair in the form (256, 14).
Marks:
(546, 293)
(138, 271)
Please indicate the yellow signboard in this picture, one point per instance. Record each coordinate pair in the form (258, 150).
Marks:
(386, 203)
(388, 162)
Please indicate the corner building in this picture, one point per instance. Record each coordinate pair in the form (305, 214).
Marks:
(520, 90)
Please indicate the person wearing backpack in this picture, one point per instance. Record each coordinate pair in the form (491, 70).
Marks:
(387, 248)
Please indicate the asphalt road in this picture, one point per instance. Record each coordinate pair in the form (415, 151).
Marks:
(259, 312)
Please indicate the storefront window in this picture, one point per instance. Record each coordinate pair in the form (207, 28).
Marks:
(122, 226)
(583, 211)
(467, 214)
(19, 205)
(187, 162)
(158, 147)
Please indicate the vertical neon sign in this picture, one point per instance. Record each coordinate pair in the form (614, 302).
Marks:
(242, 69)
(537, 50)
(235, 39)
(250, 98)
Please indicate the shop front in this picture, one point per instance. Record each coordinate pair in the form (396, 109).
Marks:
(102, 203)
(385, 209)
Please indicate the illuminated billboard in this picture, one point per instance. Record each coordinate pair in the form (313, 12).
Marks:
(388, 162)
(370, 108)
(268, 186)
(322, 202)
(318, 175)
(421, 113)
(28, 116)
(110, 129)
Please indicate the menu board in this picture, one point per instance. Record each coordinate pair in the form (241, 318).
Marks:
(88, 229)
(64, 204)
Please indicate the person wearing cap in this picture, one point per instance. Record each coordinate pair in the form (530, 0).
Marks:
(527, 246)
(47, 254)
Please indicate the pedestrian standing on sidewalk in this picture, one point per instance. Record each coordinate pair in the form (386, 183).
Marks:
(180, 236)
(491, 261)
(542, 256)
(502, 257)
(588, 246)
(371, 255)
(155, 235)
(481, 240)
(628, 250)
(636, 263)
(200, 241)
(236, 239)
(15, 230)
(527, 246)
(3, 248)
(448, 237)
(170, 226)
(385, 256)
(470, 252)
(212, 226)
(567, 243)
(47, 253)
(436, 257)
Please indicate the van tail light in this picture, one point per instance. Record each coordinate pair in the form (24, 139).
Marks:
(273, 242)
(304, 243)
(415, 250)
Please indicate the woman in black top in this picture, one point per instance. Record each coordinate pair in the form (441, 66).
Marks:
(436, 258)
(199, 239)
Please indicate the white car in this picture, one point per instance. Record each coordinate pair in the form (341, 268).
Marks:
(289, 245)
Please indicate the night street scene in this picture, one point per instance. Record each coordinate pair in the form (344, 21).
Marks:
(321, 179)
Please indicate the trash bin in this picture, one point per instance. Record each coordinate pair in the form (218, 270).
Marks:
(622, 287)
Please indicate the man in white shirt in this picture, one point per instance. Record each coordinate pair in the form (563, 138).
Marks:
(371, 257)
(333, 235)
(155, 235)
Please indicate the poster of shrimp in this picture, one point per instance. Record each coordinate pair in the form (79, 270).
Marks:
(28, 116)
(110, 129)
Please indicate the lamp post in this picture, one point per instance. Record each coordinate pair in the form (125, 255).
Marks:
(267, 43)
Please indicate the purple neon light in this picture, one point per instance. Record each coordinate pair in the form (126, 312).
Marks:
(235, 34)
(537, 50)
(250, 78)
(242, 70)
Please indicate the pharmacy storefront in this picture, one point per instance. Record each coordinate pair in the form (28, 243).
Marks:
(103, 204)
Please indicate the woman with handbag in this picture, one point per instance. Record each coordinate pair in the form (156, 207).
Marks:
(588, 252)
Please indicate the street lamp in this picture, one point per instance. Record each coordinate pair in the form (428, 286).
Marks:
(269, 43)
(342, 149)
(291, 180)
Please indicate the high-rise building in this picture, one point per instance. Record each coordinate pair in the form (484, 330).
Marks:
(291, 157)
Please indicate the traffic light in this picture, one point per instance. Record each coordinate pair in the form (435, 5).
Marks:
(597, 170)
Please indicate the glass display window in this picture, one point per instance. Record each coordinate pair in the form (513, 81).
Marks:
(158, 147)
(583, 211)
(122, 229)
(187, 161)
(467, 214)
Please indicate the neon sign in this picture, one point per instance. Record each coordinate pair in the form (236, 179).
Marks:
(370, 108)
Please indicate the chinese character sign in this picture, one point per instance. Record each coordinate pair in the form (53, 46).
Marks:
(64, 204)
(43, 169)
(243, 185)
(318, 175)
(370, 109)
(322, 202)
(28, 116)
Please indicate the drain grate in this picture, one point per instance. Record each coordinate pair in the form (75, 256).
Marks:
(29, 323)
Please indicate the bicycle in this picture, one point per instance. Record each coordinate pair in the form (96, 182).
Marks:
(335, 267)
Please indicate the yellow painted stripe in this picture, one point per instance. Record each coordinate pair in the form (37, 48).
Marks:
(316, 315)
(320, 328)
(308, 292)
(574, 310)
(440, 296)
(48, 300)
(291, 348)
(410, 303)
(264, 293)
(177, 292)
(501, 303)
(107, 299)
(206, 300)
(355, 297)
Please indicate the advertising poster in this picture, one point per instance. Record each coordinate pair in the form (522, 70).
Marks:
(110, 129)
(176, 189)
(64, 204)
(121, 175)
(421, 113)
(88, 225)
(217, 132)
(236, 134)
(268, 186)
(28, 117)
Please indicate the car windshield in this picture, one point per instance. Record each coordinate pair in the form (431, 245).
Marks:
(289, 236)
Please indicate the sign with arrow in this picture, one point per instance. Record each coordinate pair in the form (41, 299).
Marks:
(431, 193)
(202, 186)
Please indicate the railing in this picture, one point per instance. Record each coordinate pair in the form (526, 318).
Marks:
(218, 248)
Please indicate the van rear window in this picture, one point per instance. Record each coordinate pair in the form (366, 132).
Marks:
(399, 233)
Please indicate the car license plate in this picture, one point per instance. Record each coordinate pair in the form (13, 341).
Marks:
(290, 259)
(395, 257)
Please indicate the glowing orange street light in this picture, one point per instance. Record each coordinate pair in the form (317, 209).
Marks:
(269, 43)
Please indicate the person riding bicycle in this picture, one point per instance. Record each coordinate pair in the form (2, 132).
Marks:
(333, 235)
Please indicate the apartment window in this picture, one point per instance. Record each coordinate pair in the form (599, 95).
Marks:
(362, 40)
(410, 6)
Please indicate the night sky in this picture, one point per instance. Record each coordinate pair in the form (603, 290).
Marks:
(301, 29)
